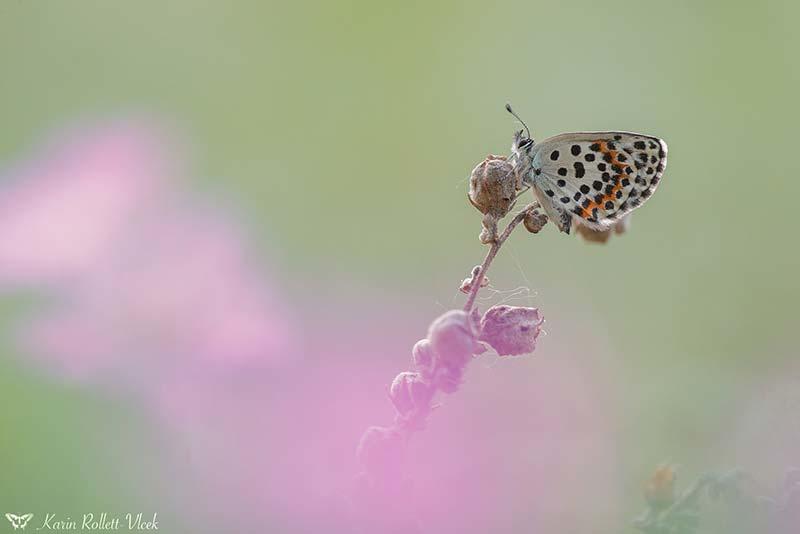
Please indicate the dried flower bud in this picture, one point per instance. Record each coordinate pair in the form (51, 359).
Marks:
(381, 452)
(423, 358)
(660, 489)
(410, 393)
(511, 330)
(449, 379)
(452, 338)
(492, 186)
(534, 220)
(602, 236)
(466, 284)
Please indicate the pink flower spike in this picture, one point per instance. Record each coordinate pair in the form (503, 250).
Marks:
(423, 358)
(452, 338)
(381, 453)
(410, 394)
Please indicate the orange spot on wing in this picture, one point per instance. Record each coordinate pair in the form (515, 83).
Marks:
(612, 154)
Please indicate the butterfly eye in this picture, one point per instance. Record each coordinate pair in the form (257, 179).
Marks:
(525, 143)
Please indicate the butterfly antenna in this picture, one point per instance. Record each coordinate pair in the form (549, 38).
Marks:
(508, 108)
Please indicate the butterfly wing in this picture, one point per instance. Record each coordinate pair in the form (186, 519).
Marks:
(560, 216)
(596, 177)
(13, 519)
(24, 519)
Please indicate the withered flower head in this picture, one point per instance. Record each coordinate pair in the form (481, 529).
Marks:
(410, 393)
(423, 358)
(493, 185)
(452, 338)
(511, 330)
(534, 220)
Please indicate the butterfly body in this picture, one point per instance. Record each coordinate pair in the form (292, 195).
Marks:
(590, 178)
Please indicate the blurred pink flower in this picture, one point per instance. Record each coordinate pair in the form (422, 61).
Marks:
(180, 295)
(61, 210)
(280, 445)
(145, 279)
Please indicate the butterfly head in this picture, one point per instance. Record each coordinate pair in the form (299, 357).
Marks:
(522, 146)
(522, 143)
(521, 152)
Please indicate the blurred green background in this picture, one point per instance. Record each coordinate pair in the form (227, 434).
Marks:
(347, 131)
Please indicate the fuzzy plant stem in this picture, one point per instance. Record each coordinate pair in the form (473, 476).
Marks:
(493, 250)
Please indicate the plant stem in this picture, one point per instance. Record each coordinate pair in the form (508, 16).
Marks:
(495, 248)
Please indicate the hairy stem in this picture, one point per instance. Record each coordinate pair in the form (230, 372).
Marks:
(495, 248)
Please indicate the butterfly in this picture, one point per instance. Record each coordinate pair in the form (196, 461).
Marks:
(19, 521)
(589, 178)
